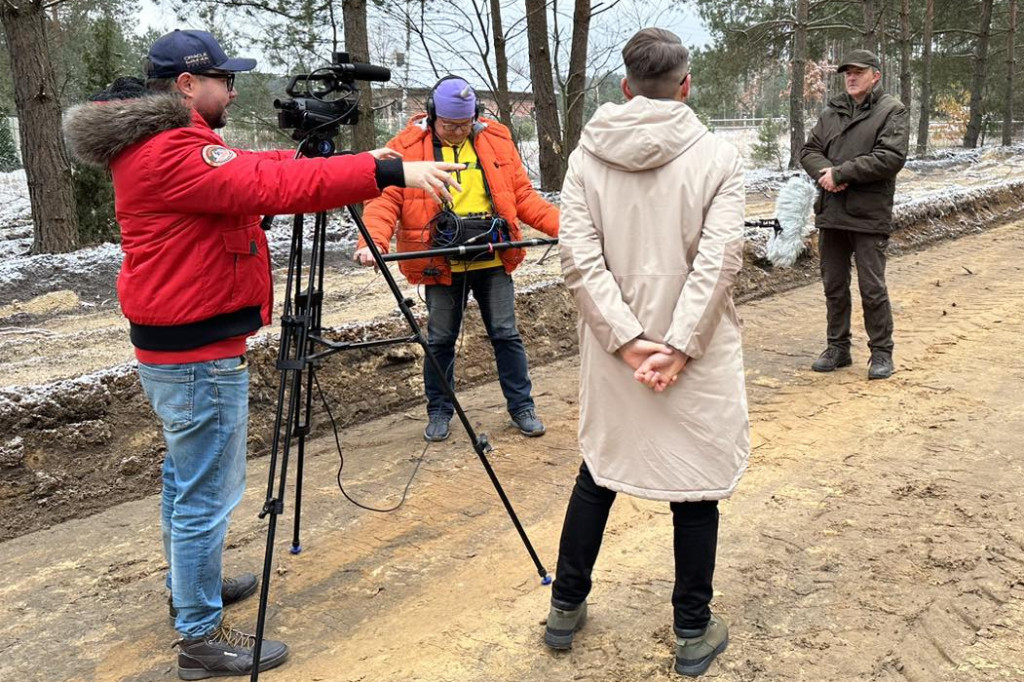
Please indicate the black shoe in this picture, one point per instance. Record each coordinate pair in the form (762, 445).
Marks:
(880, 366)
(231, 590)
(224, 652)
(529, 423)
(832, 358)
(437, 428)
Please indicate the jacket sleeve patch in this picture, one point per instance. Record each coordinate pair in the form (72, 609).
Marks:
(216, 156)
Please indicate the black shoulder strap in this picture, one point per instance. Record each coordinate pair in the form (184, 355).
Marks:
(439, 156)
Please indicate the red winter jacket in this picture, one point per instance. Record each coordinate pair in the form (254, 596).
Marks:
(411, 209)
(196, 279)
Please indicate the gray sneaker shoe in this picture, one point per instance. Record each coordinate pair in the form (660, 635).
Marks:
(695, 649)
(231, 590)
(832, 358)
(880, 366)
(224, 652)
(437, 428)
(529, 423)
(563, 622)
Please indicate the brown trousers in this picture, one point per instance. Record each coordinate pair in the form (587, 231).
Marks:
(868, 250)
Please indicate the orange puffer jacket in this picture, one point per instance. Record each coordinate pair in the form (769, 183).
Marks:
(411, 209)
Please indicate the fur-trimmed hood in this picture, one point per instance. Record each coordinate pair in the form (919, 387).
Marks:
(98, 131)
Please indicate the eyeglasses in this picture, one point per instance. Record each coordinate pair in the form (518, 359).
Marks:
(228, 78)
(455, 125)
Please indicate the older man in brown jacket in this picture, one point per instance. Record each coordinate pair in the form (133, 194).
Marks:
(854, 153)
(651, 242)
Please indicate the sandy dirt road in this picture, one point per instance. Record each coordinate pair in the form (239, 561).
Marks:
(877, 536)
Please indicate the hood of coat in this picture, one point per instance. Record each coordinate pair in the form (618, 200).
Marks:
(98, 131)
(641, 134)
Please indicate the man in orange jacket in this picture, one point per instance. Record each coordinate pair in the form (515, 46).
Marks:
(494, 185)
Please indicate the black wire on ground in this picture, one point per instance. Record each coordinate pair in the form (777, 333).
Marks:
(341, 460)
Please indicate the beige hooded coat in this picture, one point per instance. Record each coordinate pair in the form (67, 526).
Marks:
(651, 242)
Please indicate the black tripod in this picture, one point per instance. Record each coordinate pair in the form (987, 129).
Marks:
(302, 345)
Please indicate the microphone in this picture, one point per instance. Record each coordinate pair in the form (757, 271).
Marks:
(364, 72)
(793, 211)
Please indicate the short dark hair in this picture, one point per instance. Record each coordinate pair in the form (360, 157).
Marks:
(161, 84)
(656, 61)
(156, 84)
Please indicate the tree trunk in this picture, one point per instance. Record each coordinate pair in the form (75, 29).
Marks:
(1010, 64)
(905, 78)
(576, 83)
(926, 79)
(796, 90)
(501, 97)
(364, 134)
(870, 26)
(549, 131)
(47, 166)
(978, 81)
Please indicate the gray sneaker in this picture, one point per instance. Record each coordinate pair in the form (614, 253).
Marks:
(529, 423)
(563, 622)
(225, 652)
(231, 590)
(437, 428)
(832, 358)
(880, 366)
(695, 649)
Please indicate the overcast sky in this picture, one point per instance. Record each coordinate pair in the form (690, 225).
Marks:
(683, 22)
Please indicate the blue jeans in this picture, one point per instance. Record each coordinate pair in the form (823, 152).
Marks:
(204, 407)
(492, 288)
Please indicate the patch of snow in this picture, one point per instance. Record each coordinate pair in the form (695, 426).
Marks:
(28, 398)
(15, 215)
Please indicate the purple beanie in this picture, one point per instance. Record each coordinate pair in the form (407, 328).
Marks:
(454, 98)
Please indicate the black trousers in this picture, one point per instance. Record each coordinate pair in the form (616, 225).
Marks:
(695, 540)
(835, 248)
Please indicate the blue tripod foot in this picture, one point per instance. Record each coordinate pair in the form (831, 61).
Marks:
(546, 580)
(296, 549)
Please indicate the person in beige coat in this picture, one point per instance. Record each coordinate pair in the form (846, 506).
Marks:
(651, 243)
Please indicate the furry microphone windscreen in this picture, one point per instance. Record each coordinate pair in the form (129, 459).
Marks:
(793, 211)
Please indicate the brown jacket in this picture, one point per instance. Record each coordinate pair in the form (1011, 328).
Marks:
(866, 146)
(651, 243)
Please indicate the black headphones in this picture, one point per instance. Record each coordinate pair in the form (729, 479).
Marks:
(432, 109)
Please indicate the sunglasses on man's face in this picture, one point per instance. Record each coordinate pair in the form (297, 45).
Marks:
(228, 78)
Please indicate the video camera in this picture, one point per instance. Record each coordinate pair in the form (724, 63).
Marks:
(323, 100)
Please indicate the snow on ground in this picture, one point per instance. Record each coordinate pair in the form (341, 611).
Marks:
(90, 272)
(15, 215)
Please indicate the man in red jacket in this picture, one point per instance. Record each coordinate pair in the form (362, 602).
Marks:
(195, 284)
(494, 188)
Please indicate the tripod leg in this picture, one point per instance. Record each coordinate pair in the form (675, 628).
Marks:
(261, 617)
(296, 544)
(480, 444)
(292, 362)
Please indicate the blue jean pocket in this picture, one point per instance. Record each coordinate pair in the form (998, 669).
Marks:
(171, 392)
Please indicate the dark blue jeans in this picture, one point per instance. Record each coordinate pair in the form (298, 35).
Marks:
(493, 291)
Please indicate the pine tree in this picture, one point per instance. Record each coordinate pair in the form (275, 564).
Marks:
(94, 192)
(768, 149)
(8, 150)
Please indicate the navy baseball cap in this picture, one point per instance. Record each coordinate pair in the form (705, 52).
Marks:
(191, 52)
